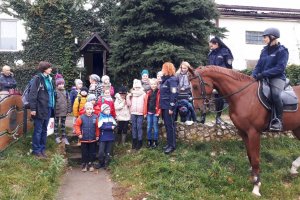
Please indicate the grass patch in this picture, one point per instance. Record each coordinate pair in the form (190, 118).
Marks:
(22, 176)
(211, 170)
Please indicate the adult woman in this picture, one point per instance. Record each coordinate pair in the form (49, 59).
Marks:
(168, 95)
(271, 64)
(220, 55)
(41, 101)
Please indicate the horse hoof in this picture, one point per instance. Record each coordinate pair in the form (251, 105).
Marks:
(255, 190)
(294, 171)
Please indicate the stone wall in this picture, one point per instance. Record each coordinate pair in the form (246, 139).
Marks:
(212, 132)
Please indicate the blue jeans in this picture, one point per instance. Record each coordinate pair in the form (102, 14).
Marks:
(137, 126)
(152, 122)
(39, 137)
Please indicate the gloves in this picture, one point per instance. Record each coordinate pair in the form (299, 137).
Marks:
(259, 77)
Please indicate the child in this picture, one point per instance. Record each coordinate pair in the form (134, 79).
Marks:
(62, 109)
(158, 77)
(95, 86)
(88, 133)
(75, 90)
(106, 85)
(106, 124)
(135, 99)
(106, 98)
(96, 109)
(185, 110)
(145, 80)
(184, 86)
(152, 112)
(123, 113)
(80, 101)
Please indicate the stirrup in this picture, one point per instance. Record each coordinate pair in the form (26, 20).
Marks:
(273, 122)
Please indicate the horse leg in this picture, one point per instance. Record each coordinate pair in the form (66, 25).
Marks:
(254, 149)
(295, 163)
(246, 142)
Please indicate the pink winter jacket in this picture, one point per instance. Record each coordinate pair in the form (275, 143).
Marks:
(136, 102)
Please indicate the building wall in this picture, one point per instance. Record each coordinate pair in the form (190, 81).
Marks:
(236, 38)
(21, 33)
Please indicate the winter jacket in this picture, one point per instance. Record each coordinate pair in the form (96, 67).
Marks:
(122, 109)
(272, 62)
(157, 108)
(39, 97)
(168, 92)
(62, 103)
(96, 111)
(184, 82)
(105, 123)
(136, 102)
(108, 102)
(78, 104)
(221, 57)
(87, 126)
(73, 95)
(7, 82)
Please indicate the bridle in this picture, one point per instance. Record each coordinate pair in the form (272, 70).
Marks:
(203, 95)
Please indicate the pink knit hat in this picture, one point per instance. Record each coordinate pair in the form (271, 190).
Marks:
(59, 79)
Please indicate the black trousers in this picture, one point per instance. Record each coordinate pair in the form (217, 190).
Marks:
(277, 86)
(170, 128)
(122, 127)
(88, 152)
(62, 125)
(219, 104)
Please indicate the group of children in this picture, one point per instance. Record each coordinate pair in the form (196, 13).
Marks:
(97, 114)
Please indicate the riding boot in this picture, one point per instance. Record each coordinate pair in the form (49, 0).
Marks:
(218, 118)
(123, 139)
(134, 143)
(203, 117)
(276, 123)
(149, 143)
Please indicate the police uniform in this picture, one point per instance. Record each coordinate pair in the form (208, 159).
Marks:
(220, 57)
(168, 96)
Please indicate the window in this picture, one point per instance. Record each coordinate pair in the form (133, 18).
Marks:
(8, 35)
(254, 37)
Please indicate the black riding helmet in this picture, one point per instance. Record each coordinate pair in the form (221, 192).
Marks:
(272, 32)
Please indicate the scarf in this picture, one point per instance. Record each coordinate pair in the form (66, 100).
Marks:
(50, 90)
(137, 92)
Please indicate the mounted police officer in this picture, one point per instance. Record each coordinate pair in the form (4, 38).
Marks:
(219, 55)
(168, 95)
(271, 64)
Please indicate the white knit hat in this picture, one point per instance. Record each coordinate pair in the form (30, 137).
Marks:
(78, 81)
(95, 77)
(91, 97)
(105, 77)
(88, 105)
(137, 83)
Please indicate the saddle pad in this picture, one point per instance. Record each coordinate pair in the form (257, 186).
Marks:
(288, 96)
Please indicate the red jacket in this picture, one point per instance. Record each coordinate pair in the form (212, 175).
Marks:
(111, 105)
(157, 108)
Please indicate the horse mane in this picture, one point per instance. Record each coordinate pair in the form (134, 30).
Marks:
(231, 73)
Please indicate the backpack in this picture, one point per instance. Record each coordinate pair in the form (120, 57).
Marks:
(25, 95)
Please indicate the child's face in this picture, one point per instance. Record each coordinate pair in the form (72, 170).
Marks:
(159, 75)
(153, 85)
(107, 111)
(93, 101)
(123, 96)
(83, 93)
(79, 86)
(184, 69)
(61, 86)
(145, 77)
(106, 93)
(106, 81)
(89, 111)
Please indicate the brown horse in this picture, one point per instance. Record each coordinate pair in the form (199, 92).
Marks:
(245, 110)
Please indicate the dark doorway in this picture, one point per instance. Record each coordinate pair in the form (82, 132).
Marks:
(98, 64)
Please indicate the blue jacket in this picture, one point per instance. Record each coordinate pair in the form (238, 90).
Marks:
(73, 95)
(7, 82)
(168, 92)
(272, 62)
(88, 127)
(221, 57)
(105, 124)
(189, 106)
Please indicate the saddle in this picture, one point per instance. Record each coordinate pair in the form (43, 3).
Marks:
(288, 96)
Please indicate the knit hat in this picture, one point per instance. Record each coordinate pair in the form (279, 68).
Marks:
(88, 105)
(84, 89)
(145, 71)
(95, 77)
(105, 77)
(91, 97)
(78, 81)
(59, 79)
(137, 83)
(104, 107)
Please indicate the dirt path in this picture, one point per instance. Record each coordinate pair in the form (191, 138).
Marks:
(85, 185)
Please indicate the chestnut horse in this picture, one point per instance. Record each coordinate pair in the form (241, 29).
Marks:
(245, 110)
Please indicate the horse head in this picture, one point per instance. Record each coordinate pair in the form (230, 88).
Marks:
(202, 87)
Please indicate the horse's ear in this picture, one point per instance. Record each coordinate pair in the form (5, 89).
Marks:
(191, 70)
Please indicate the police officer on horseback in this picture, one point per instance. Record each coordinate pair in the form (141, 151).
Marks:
(168, 96)
(271, 65)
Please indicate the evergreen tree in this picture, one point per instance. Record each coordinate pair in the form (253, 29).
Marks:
(150, 32)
